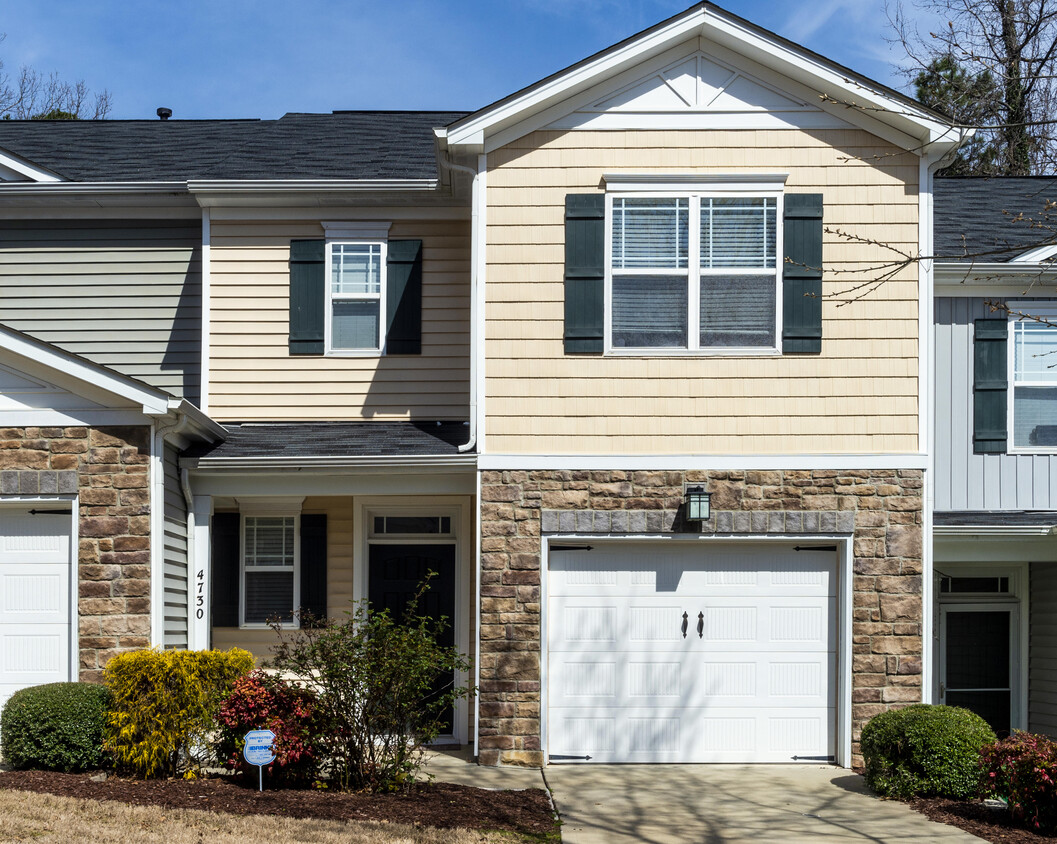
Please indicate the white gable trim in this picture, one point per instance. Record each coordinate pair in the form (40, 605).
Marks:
(1039, 255)
(16, 169)
(154, 402)
(564, 92)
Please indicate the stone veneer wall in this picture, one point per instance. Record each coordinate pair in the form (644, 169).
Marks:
(108, 467)
(880, 509)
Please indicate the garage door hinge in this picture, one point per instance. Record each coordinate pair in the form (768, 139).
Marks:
(814, 547)
(51, 512)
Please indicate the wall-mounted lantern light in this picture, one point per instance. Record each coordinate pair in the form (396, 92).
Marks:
(697, 504)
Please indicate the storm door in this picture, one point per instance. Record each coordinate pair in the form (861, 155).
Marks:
(977, 660)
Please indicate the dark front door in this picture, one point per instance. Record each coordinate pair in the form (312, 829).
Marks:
(395, 573)
(978, 668)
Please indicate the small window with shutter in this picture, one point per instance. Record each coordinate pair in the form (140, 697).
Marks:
(1033, 359)
(270, 583)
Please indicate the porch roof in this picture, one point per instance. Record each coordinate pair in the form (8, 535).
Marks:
(959, 522)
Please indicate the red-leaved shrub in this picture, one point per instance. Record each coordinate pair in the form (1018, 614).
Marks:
(1022, 769)
(262, 701)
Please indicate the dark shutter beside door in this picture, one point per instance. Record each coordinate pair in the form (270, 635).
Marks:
(403, 298)
(585, 237)
(225, 551)
(308, 296)
(314, 563)
(990, 385)
(802, 275)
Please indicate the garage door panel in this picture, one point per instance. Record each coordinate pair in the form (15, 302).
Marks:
(34, 594)
(750, 676)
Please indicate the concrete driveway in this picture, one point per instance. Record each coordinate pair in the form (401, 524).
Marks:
(709, 804)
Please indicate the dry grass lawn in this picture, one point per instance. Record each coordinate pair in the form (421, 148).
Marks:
(48, 819)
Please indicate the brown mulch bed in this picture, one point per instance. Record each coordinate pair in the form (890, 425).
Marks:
(441, 805)
(975, 818)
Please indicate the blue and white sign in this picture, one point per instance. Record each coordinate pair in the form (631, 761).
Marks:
(259, 750)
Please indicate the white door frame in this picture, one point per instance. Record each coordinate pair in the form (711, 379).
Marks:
(457, 507)
(74, 667)
(845, 562)
(1018, 596)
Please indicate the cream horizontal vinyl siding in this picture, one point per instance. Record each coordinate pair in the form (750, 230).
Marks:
(253, 376)
(859, 395)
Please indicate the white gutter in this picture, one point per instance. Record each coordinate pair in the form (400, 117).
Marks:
(196, 186)
(995, 530)
(202, 423)
(370, 461)
(89, 188)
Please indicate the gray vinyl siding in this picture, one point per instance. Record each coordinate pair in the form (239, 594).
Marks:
(122, 293)
(176, 574)
(967, 481)
(1042, 656)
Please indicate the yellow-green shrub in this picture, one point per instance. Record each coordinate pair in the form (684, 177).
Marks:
(164, 706)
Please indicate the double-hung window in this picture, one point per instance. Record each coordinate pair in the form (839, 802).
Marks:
(270, 568)
(1033, 400)
(693, 271)
(356, 287)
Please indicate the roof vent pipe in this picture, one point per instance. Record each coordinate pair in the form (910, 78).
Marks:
(164, 113)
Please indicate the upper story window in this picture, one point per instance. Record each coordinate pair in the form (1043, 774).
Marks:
(693, 272)
(356, 295)
(1033, 401)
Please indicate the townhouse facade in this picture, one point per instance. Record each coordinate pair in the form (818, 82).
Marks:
(258, 367)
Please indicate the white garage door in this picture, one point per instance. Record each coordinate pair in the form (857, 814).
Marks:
(34, 596)
(692, 653)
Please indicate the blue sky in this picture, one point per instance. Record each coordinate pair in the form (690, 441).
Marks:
(262, 58)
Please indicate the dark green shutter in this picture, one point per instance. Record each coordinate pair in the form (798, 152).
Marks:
(990, 337)
(308, 296)
(225, 552)
(403, 298)
(802, 275)
(585, 237)
(314, 564)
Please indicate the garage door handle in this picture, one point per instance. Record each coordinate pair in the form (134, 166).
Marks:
(685, 617)
(700, 625)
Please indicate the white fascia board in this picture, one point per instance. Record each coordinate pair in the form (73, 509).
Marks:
(20, 167)
(22, 189)
(154, 402)
(700, 462)
(240, 186)
(200, 426)
(995, 530)
(857, 101)
(418, 463)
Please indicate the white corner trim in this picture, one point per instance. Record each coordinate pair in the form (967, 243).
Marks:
(346, 230)
(689, 181)
(205, 312)
(699, 462)
(20, 167)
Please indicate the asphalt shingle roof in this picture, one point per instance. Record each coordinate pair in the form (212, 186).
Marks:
(337, 439)
(341, 145)
(987, 518)
(993, 219)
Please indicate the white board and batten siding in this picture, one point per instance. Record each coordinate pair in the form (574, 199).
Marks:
(1042, 658)
(175, 555)
(35, 601)
(750, 677)
(967, 481)
(122, 293)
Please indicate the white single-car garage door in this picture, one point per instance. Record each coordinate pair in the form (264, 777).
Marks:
(34, 595)
(695, 652)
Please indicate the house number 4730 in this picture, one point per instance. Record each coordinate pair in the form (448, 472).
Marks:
(200, 601)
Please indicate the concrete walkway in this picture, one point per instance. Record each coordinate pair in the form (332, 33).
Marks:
(709, 804)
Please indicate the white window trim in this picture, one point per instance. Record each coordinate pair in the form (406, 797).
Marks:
(269, 513)
(357, 234)
(694, 187)
(1049, 313)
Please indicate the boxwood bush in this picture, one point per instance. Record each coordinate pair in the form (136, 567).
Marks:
(925, 750)
(58, 727)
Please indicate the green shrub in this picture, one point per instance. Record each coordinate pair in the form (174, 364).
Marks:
(1022, 770)
(56, 727)
(375, 684)
(925, 750)
(165, 705)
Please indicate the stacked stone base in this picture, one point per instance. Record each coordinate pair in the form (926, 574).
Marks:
(879, 511)
(109, 470)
